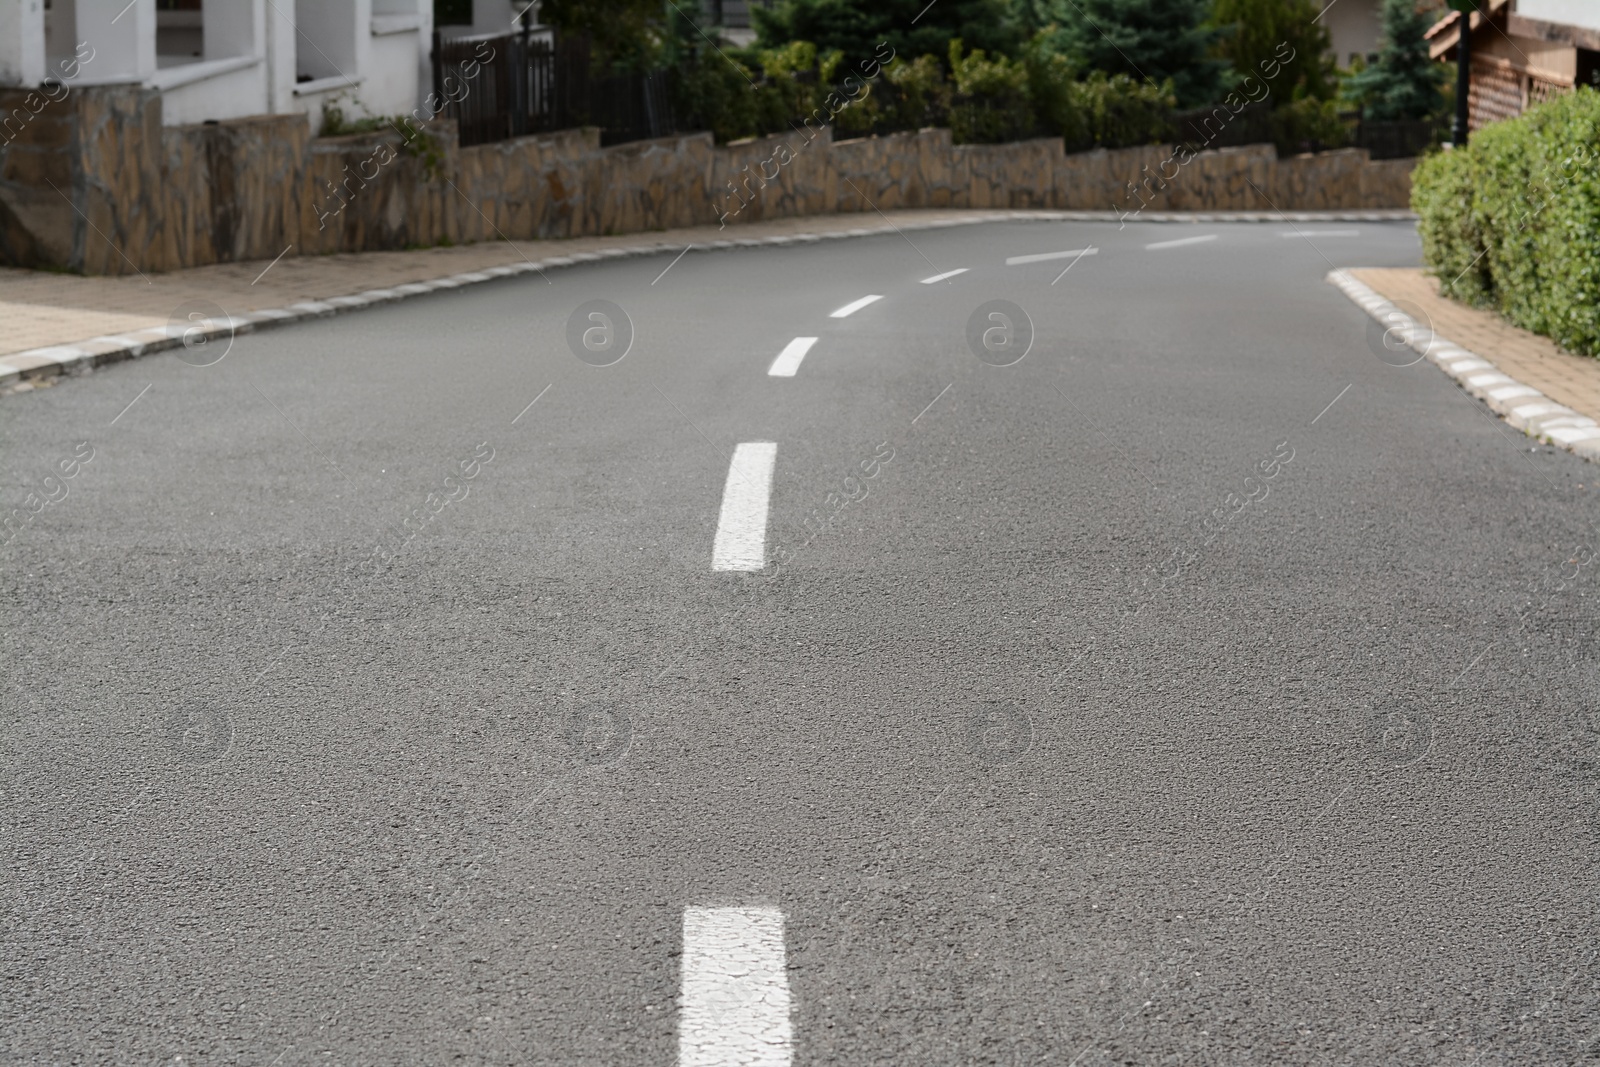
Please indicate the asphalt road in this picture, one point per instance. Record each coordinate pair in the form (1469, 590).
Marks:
(1027, 762)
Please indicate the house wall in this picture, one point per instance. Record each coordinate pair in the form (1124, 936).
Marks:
(1585, 13)
(155, 197)
(233, 58)
(1354, 27)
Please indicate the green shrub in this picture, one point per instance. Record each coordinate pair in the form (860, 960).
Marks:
(1156, 40)
(918, 92)
(1120, 111)
(1308, 125)
(991, 103)
(1512, 221)
(1054, 88)
(717, 93)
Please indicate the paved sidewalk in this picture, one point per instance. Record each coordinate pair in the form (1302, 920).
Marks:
(1527, 357)
(52, 309)
(1527, 380)
(63, 323)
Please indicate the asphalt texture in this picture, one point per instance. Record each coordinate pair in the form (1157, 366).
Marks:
(1039, 766)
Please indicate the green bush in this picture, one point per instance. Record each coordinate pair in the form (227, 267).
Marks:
(991, 104)
(1057, 103)
(1512, 221)
(717, 93)
(1120, 111)
(918, 92)
(1308, 125)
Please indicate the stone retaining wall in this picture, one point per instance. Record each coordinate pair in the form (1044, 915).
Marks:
(95, 183)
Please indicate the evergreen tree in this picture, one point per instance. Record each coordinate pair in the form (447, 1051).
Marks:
(1153, 40)
(623, 33)
(911, 27)
(1403, 83)
(1254, 32)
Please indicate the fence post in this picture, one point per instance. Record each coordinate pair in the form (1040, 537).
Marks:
(521, 71)
(437, 57)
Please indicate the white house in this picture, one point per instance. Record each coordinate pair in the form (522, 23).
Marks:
(222, 59)
(1354, 27)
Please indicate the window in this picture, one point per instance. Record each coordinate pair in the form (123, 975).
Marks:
(180, 33)
(325, 39)
(452, 12)
(60, 31)
(194, 31)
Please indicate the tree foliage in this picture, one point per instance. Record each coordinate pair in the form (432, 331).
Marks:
(1152, 40)
(623, 33)
(1404, 82)
(910, 27)
(1254, 31)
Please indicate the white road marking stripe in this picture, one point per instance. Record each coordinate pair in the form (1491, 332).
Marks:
(854, 306)
(788, 360)
(1321, 233)
(734, 1008)
(942, 277)
(1042, 257)
(1181, 242)
(742, 528)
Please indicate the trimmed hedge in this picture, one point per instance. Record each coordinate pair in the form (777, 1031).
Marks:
(1512, 222)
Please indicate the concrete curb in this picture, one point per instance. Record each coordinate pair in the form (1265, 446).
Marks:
(83, 356)
(1523, 406)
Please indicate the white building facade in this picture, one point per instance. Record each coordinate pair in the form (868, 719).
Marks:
(224, 59)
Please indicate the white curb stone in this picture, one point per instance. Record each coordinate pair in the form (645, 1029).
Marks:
(1523, 406)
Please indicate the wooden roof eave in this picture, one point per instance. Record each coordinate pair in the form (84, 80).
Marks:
(1443, 34)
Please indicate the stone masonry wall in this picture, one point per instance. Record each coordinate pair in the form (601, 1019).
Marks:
(94, 183)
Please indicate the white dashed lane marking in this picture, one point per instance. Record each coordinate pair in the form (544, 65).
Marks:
(854, 306)
(734, 1008)
(788, 360)
(1043, 257)
(741, 543)
(1181, 242)
(942, 277)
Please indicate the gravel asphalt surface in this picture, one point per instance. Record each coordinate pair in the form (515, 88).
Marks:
(1198, 689)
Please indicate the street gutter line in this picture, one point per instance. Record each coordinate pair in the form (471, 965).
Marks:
(674, 263)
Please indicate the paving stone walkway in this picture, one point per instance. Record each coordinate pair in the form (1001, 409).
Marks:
(1527, 357)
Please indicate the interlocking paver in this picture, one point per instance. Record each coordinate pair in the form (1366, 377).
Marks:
(1529, 358)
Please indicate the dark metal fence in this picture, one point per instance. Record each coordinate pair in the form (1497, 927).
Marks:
(506, 85)
(1217, 127)
(1399, 140)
